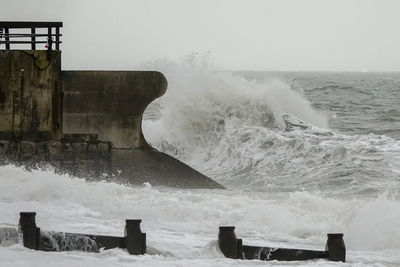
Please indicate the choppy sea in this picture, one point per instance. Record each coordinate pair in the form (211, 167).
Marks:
(302, 154)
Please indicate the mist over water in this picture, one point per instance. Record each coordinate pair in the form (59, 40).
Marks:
(302, 154)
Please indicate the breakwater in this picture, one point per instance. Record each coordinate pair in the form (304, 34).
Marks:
(87, 123)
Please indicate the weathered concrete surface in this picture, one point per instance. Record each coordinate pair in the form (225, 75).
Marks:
(88, 158)
(30, 96)
(157, 168)
(110, 103)
(87, 123)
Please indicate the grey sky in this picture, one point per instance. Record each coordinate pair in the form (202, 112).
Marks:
(334, 35)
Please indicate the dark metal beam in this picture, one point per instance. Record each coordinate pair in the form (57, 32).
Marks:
(28, 42)
(29, 24)
(19, 35)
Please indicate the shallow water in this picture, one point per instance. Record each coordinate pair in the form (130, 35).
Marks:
(303, 154)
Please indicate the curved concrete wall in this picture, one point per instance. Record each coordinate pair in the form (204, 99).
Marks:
(110, 103)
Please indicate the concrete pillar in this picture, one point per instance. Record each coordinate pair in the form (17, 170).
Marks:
(30, 95)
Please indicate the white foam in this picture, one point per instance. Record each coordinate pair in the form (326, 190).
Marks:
(182, 223)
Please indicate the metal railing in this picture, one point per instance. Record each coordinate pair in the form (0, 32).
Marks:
(19, 34)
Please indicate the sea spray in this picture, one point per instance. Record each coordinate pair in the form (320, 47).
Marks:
(262, 134)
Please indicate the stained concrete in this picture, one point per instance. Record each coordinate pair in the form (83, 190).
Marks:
(86, 123)
(110, 103)
(158, 168)
(30, 95)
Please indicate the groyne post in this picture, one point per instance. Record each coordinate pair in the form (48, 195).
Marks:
(335, 247)
(30, 232)
(229, 244)
(135, 239)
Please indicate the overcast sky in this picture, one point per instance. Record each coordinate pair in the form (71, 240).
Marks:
(348, 35)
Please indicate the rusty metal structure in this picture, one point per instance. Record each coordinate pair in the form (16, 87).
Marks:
(13, 33)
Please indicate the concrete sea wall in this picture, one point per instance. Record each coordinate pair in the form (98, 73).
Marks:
(87, 123)
(30, 95)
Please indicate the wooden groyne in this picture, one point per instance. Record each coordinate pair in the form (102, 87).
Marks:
(134, 241)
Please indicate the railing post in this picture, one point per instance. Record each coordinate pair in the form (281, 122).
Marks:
(49, 39)
(33, 38)
(7, 38)
(58, 38)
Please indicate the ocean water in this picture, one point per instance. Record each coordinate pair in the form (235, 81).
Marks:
(302, 154)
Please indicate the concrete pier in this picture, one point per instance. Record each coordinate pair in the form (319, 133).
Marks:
(87, 123)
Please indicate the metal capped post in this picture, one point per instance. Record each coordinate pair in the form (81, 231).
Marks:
(135, 239)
